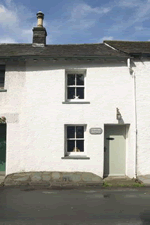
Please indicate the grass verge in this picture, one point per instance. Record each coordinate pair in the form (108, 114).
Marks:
(105, 184)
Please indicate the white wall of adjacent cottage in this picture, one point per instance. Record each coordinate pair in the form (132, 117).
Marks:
(142, 72)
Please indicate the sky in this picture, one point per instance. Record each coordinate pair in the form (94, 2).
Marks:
(77, 21)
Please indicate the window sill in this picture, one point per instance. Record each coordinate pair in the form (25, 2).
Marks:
(76, 102)
(3, 90)
(75, 157)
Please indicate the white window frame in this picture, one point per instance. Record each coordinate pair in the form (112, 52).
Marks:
(75, 71)
(75, 153)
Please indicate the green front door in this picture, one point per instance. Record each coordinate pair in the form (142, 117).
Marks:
(2, 147)
(115, 150)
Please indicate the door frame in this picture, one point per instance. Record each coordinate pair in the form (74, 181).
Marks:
(4, 124)
(127, 128)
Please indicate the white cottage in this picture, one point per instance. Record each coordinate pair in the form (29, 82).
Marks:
(75, 108)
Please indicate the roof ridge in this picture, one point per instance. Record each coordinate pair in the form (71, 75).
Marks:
(52, 44)
(125, 41)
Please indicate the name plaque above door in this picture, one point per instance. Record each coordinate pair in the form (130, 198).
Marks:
(96, 130)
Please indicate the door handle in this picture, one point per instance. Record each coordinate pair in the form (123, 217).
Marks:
(104, 149)
(110, 139)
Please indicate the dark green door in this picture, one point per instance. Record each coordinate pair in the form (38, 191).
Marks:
(2, 147)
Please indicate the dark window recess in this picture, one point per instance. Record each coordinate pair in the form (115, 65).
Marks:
(80, 145)
(2, 75)
(71, 92)
(79, 131)
(80, 93)
(71, 79)
(71, 132)
(80, 79)
(70, 145)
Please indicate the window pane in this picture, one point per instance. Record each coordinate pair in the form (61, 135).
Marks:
(80, 79)
(2, 67)
(71, 93)
(2, 73)
(80, 93)
(80, 146)
(79, 132)
(70, 132)
(70, 146)
(71, 79)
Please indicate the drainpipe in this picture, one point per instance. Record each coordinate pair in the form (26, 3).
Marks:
(131, 71)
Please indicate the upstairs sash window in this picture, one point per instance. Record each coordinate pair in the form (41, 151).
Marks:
(75, 86)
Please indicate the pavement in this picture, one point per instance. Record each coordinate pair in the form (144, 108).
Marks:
(27, 205)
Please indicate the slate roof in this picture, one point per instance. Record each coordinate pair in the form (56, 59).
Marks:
(70, 50)
(131, 47)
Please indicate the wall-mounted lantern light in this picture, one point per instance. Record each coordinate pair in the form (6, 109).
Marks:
(118, 114)
(2, 119)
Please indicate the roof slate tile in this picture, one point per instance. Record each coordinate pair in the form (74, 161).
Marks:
(70, 50)
(131, 47)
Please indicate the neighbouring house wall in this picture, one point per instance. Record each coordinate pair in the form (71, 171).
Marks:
(36, 141)
(142, 73)
(10, 107)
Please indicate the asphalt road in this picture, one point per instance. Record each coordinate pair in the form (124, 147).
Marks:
(88, 206)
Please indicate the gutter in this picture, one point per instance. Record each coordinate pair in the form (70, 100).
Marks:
(61, 57)
(132, 72)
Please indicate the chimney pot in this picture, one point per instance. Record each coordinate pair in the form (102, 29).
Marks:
(40, 17)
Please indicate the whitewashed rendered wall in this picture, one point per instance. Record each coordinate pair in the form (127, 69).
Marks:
(10, 107)
(36, 141)
(142, 73)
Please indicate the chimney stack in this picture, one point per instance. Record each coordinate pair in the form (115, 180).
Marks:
(39, 32)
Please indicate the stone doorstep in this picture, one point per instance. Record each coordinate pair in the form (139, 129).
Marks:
(120, 181)
(109, 178)
(145, 179)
